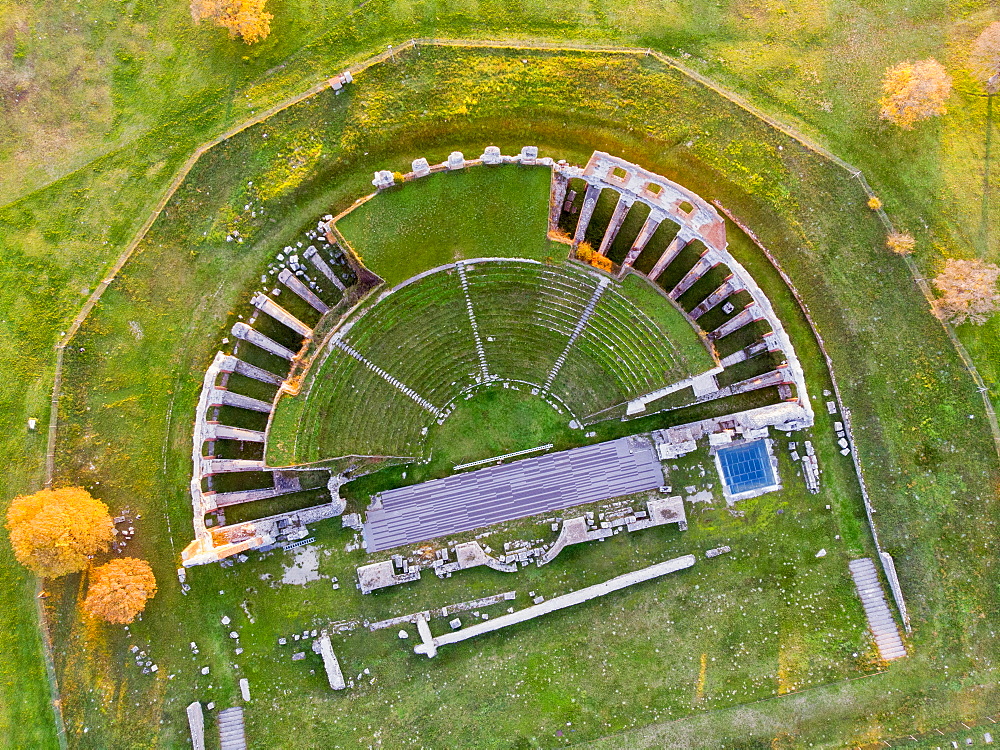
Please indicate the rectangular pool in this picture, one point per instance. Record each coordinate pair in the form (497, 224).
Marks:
(746, 467)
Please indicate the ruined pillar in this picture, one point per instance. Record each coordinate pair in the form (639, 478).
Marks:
(211, 465)
(746, 316)
(219, 396)
(272, 309)
(216, 431)
(229, 363)
(288, 278)
(246, 333)
(621, 211)
(312, 255)
(589, 203)
(725, 289)
(645, 234)
(560, 183)
(699, 269)
(677, 244)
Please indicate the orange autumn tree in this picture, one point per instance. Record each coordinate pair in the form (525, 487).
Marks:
(243, 18)
(54, 532)
(119, 590)
(901, 243)
(587, 254)
(914, 92)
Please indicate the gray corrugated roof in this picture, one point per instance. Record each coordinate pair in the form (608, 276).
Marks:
(500, 493)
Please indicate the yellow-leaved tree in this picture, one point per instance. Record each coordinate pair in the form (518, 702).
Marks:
(968, 291)
(901, 243)
(119, 590)
(914, 92)
(54, 532)
(243, 18)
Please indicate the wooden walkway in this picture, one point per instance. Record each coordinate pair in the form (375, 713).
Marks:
(883, 627)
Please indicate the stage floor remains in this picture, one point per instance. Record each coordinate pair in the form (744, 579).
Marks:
(463, 502)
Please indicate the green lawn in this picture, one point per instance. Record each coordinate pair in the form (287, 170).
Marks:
(479, 212)
(692, 348)
(812, 65)
(495, 421)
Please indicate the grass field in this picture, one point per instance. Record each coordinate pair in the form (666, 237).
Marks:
(480, 212)
(813, 70)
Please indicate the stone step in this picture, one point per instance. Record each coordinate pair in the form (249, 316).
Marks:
(880, 619)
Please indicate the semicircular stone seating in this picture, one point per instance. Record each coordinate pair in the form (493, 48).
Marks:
(565, 330)
(746, 331)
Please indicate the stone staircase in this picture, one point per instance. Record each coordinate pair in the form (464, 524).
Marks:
(481, 353)
(401, 387)
(577, 330)
(231, 733)
(880, 620)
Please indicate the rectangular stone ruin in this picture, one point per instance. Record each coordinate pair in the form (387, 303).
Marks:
(664, 510)
(420, 167)
(382, 574)
(271, 308)
(289, 279)
(383, 179)
(312, 255)
(491, 155)
(245, 333)
(334, 675)
(196, 723)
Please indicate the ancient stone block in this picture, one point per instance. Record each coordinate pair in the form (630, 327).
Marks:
(383, 179)
(420, 167)
(491, 155)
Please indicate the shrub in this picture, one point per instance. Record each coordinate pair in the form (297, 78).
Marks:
(968, 291)
(901, 243)
(914, 92)
(119, 590)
